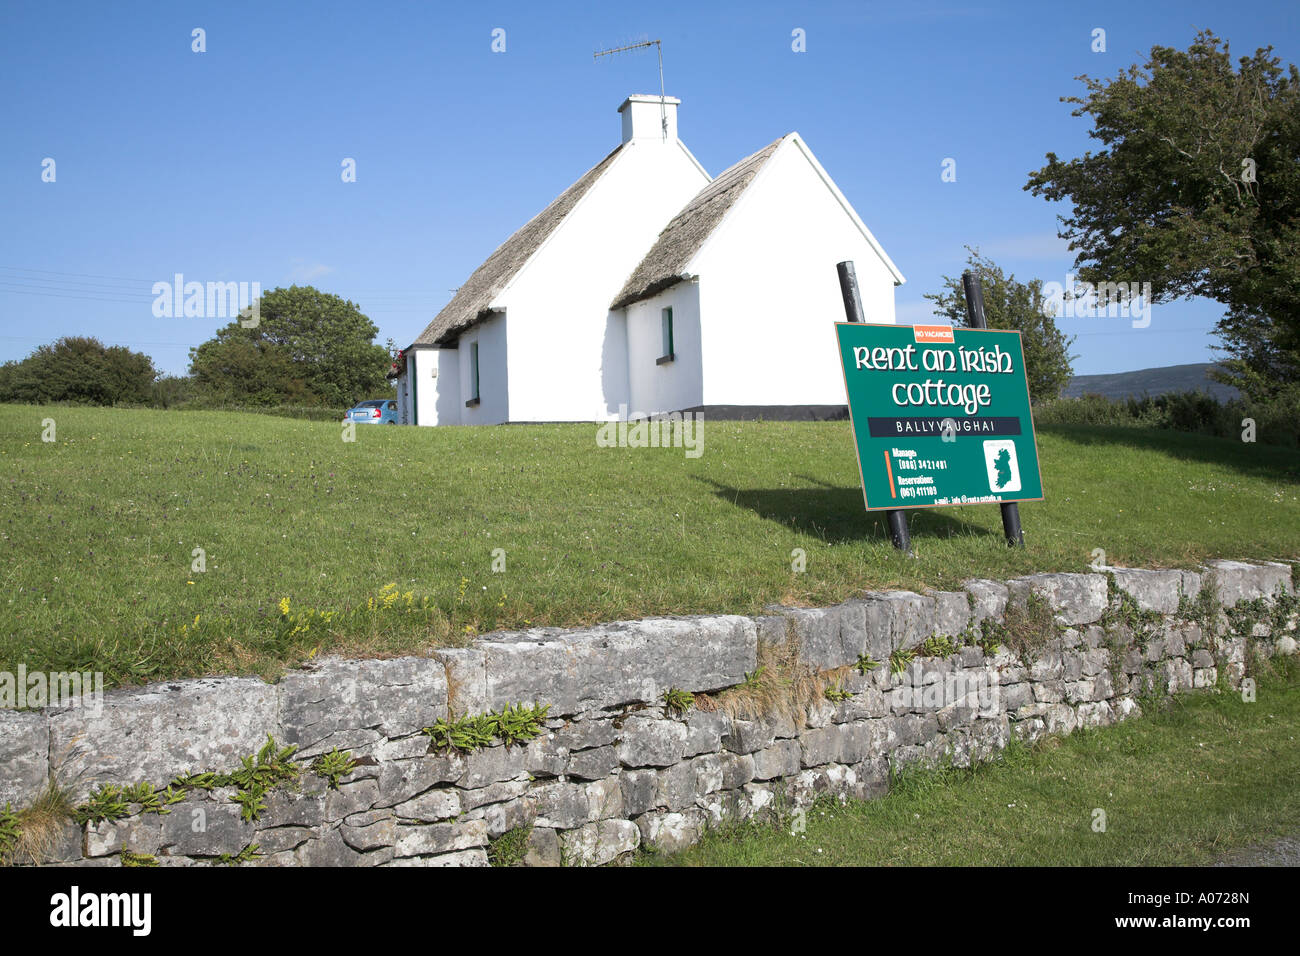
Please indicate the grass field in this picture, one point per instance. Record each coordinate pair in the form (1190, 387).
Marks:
(1206, 775)
(386, 544)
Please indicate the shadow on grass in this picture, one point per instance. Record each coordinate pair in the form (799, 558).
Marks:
(1274, 462)
(834, 514)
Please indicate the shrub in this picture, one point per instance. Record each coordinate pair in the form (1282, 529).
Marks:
(79, 370)
(1277, 422)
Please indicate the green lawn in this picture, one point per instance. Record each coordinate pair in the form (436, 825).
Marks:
(1206, 775)
(99, 529)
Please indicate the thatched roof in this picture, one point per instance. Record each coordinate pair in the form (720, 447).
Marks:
(473, 299)
(665, 263)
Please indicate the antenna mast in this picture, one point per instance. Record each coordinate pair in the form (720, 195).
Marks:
(663, 108)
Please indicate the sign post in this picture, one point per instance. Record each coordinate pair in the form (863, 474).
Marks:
(899, 534)
(940, 417)
(976, 320)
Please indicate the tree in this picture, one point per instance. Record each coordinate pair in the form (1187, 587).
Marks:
(170, 391)
(232, 371)
(309, 348)
(1197, 191)
(1009, 304)
(81, 370)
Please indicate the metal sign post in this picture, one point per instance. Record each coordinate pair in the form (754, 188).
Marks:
(976, 319)
(899, 534)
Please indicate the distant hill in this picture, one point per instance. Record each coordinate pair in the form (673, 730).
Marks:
(1151, 381)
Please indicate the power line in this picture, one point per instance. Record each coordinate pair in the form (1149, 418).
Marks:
(81, 275)
(62, 288)
(167, 345)
(67, 284)
(62, 295)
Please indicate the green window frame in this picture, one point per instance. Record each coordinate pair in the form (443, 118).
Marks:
(473, 375)
(666, 328)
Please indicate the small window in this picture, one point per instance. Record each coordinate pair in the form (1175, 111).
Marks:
(666, 322)
(473, 375)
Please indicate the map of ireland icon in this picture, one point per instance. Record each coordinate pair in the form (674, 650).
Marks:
(1004, 470)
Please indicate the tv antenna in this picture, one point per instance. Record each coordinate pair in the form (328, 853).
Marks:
(641, 45)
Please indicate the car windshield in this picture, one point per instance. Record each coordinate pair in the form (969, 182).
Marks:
(370, 404)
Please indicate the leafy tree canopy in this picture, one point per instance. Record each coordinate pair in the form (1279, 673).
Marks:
(1009, 304)
(308, 348)
(1196, 189)
(81, 370)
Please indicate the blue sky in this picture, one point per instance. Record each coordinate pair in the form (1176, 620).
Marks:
(225, 165)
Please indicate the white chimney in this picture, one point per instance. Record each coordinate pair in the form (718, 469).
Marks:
(643, 118)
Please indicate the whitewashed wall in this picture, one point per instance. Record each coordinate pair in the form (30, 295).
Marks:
(403, 385)
(442, 396)
(494, 399)
(769, 294)
(568, 353)
(443, 384)
(424, 377)
(677, 384)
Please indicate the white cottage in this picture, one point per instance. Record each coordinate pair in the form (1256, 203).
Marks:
(648, 287)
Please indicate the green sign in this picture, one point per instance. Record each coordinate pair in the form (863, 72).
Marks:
(940, 415)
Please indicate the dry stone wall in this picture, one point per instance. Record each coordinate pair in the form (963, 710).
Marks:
(615, 767)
